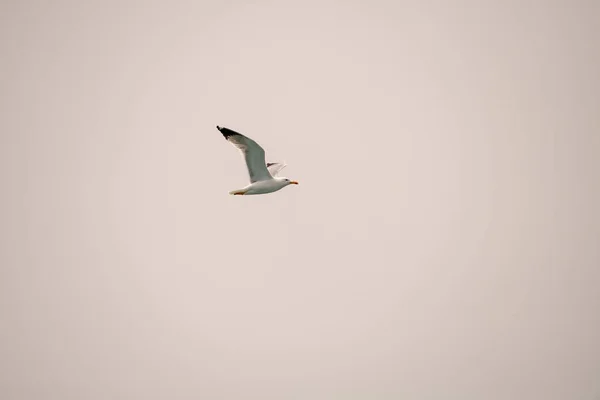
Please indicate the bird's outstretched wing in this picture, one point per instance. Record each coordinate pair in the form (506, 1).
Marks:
(275, 168)
(253, 154)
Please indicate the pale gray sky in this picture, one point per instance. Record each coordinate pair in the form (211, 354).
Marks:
(442, 243)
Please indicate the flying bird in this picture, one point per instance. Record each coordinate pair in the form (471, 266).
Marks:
(263, 176)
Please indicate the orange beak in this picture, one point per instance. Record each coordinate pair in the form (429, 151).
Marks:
(293, 183)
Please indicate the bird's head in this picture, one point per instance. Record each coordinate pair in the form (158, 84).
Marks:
(287, 181)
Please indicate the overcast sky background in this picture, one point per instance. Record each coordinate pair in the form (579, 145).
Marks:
(442, 243)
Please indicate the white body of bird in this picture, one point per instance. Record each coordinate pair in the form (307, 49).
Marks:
(263, 187)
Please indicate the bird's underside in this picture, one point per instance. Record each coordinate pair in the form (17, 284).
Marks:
(260, 187)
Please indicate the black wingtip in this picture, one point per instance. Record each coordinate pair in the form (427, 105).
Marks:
(223, 131)
(226, 132)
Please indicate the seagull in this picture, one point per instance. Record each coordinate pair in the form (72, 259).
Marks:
(263, 176)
